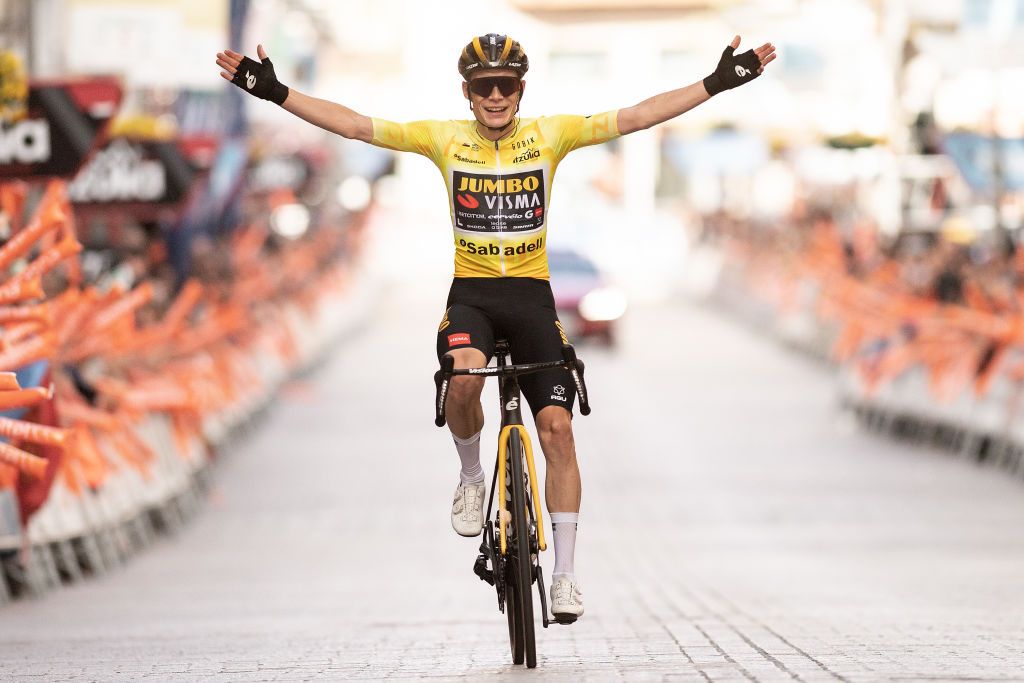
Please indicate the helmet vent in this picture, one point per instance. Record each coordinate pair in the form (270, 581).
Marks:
(493, 51)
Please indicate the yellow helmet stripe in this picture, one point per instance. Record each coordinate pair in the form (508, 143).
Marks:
(479, 49)
(504, 53)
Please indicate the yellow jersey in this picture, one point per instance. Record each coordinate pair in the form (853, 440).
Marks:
(498, 192)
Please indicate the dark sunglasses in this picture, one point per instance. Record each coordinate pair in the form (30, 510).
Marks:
(484, 86)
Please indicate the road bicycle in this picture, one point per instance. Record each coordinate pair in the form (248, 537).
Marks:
(509, 556)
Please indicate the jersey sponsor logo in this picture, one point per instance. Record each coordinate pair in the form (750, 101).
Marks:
(512, 202)
(507, 250)
(501, 185)
(444, 321)
(468, 201)
(458, 338)
(467, 160)
(526, 156)
(529, 213)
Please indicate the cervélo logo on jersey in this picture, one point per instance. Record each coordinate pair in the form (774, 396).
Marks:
(512, 202)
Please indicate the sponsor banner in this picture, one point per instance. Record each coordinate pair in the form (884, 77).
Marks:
(62, 123)
(512, 202)
(128, 171)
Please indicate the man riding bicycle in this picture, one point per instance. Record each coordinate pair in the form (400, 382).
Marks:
(499, 169)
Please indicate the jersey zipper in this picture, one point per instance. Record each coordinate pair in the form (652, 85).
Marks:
(501, 242)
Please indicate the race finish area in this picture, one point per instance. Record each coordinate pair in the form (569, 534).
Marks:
(734, 527)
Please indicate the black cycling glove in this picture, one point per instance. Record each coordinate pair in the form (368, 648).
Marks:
(259, 79)
(732, 71)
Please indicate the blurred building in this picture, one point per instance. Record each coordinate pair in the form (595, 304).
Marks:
(860, 103)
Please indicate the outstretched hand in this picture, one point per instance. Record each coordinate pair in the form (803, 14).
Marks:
(734, 70)
(765, 54)
(229, 61)
(256, 78)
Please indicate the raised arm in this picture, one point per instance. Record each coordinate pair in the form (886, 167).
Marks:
(331, 116)
(259, 79)
(732, 71)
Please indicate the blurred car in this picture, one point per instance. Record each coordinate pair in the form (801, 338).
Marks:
(588, 306)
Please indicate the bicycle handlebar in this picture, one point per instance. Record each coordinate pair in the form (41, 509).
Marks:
(442, 378)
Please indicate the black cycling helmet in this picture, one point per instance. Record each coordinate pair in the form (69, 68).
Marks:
(493, 51)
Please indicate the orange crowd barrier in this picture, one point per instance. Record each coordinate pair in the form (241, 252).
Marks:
(879, 328)
(164, 390)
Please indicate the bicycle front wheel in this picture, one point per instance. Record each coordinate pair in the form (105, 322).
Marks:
(519, 596)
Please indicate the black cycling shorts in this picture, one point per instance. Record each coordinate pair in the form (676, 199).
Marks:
(520, 310)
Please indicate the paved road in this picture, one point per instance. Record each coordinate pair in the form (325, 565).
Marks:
(735, 527)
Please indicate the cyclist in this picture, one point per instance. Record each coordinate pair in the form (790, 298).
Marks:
(498, 168)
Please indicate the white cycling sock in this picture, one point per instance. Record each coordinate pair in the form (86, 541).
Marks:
(563, 528)
(469, 454)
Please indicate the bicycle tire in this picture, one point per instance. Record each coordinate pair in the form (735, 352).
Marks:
(513, 611)
(521, 567)
(513, 605)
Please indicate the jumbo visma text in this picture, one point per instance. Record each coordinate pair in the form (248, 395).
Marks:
(498, 185)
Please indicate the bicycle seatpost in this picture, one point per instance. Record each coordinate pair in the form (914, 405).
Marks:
(442, 379)
(575, 367)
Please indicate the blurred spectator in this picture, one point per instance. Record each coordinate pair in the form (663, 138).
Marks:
(949, 280)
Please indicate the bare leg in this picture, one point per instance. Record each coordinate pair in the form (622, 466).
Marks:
(562, 486)
(466, 419)
(463, 411)
(563, 490)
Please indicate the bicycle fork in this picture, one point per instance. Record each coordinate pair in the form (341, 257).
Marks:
(497, 556)
(535, 515)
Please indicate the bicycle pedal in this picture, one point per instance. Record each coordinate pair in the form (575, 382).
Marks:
(565, 619)
(481, 570)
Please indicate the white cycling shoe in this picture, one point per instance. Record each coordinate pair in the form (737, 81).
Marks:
(566, 600)
(468, 509)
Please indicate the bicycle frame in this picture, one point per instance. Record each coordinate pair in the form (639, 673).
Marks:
(509, 397)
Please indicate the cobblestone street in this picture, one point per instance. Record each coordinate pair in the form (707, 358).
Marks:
(735, 526)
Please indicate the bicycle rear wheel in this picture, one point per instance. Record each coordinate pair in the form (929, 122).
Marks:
(519, 596)
(514, 613)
